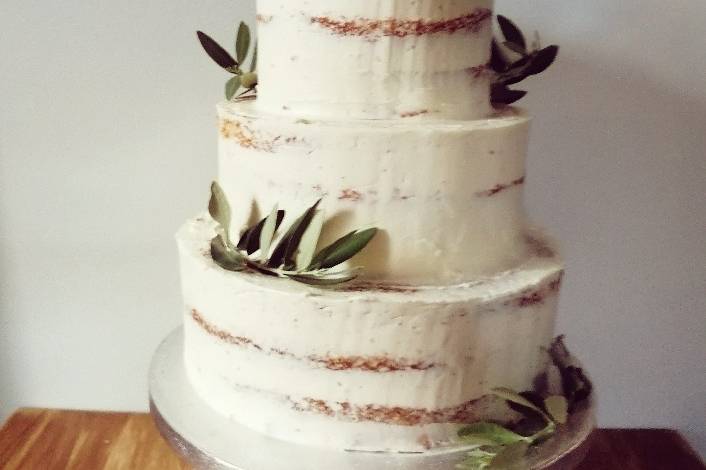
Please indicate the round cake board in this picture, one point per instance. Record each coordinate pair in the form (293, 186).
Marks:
(210, 441)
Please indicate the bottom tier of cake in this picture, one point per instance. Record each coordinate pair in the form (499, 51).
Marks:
(375, 367)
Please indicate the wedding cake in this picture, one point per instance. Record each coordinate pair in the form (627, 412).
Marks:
(391, 115)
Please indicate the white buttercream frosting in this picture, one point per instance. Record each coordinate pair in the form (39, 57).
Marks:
(447, 195)
(374, 58)
(349, 356)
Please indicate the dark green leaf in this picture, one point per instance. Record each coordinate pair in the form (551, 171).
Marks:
(227, 259)
(576, 386)
(219, 209)
(295, 231)
(498, 63)
(242, 43)
(530, 413)
(512, 33)
(297, 234)
(253, 63)
(232, 87)
(216, 52)
(250, 240)
(343, 249)
(501, 95)
(485, 434)
(541, 60)
(321, 255)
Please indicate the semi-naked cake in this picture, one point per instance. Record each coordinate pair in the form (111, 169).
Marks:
(381, 110)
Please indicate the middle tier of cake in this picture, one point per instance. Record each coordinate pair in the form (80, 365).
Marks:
(447, 195)
(367, 365)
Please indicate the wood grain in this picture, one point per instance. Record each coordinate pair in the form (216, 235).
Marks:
(79, 440)
(82, 440)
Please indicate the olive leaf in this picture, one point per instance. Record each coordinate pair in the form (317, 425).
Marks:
(253, 62)
(219, 209)
(267, 233)
(531, 63)
(290, 243)
(478, 459)
(242, 42)
(293, 255)
(503, 95)
(485, 434)
(250, 239)
(224, 257)
(216, 52)
(514, 397)
(542, 60)
(232, 87)
(309, 240)
(575, 384)
(324, 279)
(512, 457)
(242, 79)
(343, 249)
(498, 62)
(558, 408)
(512, 33)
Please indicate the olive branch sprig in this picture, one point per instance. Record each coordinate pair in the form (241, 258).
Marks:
(533, 60)
(294, 254)
(496, 447)
(241, 79)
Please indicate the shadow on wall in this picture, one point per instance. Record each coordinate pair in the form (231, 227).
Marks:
(9, 383)
(623, 155)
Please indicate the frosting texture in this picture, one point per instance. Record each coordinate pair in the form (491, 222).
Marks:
(375, 59)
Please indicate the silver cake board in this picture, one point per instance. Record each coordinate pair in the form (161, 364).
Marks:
(210, 441)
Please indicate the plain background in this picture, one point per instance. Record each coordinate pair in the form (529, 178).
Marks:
(108, 143)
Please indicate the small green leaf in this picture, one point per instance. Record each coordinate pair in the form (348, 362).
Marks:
(343, 249)
(514, 397)
(250, 240)
(242, 42)
(295, 231)
(216, 52)
(227, 259)
(232, 87)
(268, 232)
(297, 234)
(502, 95)
(512, 457)
(219, 209)
(512, 33)
(324, 279)
(253, 63)
(558, 408)
(485, 434)
(310, 238)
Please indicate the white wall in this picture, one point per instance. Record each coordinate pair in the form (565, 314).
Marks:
(107, 143)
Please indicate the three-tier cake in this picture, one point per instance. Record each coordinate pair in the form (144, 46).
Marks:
(381, 109)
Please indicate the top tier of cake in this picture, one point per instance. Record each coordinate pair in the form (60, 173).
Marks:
(375, 59)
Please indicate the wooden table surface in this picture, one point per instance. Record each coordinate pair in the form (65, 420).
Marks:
(54, 439)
